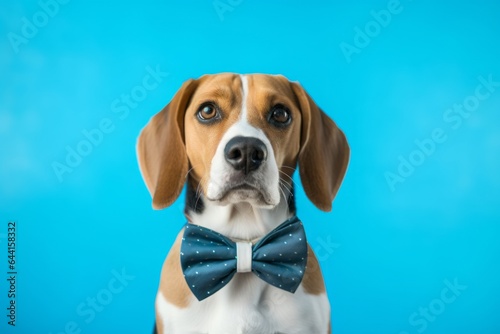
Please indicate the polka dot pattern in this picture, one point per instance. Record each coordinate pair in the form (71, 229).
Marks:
(209, 260)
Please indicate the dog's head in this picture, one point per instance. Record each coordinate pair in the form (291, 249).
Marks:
(238, 138)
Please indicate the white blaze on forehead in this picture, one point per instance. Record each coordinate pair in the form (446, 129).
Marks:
(244, 95)
(221, 172)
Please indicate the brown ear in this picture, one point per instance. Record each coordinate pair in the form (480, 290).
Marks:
(161, 151)
(324, 152)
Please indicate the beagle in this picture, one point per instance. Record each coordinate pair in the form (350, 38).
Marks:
(235, 141)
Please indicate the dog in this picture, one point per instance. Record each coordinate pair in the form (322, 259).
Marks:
(235, 142)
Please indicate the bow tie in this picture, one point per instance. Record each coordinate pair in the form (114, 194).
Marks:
(209, 260)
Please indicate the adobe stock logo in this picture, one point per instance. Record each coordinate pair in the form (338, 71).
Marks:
(88, 310)
(325, 247)
(222, 7)
(454, 117)
(425, 315)
(363, 36)
(30, 27)
(120, 107)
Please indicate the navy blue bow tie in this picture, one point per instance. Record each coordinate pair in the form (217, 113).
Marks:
(209, 260)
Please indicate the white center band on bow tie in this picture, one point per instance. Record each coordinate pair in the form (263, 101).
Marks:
(243, 257)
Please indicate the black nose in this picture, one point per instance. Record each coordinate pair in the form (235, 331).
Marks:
(245, 153)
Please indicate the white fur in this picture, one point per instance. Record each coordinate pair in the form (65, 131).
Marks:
(247, 304)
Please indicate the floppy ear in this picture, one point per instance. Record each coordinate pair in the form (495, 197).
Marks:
(161, 151)
(324, 152)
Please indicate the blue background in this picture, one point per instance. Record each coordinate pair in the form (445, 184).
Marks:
(384, 252)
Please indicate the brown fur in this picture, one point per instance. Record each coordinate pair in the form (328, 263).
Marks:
(201, 139)
(160, 150)
(265, 92)
(324, 152)
(172, 284)
(313, 280)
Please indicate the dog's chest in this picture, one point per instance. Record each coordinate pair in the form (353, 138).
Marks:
(247, 305)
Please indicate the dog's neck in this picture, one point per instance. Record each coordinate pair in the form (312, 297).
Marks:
(240, 221)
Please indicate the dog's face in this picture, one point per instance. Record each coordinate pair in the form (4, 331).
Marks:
(237, 136)
(241, 133)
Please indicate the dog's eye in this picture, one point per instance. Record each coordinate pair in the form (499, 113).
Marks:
(280, 116)
(207, 112)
